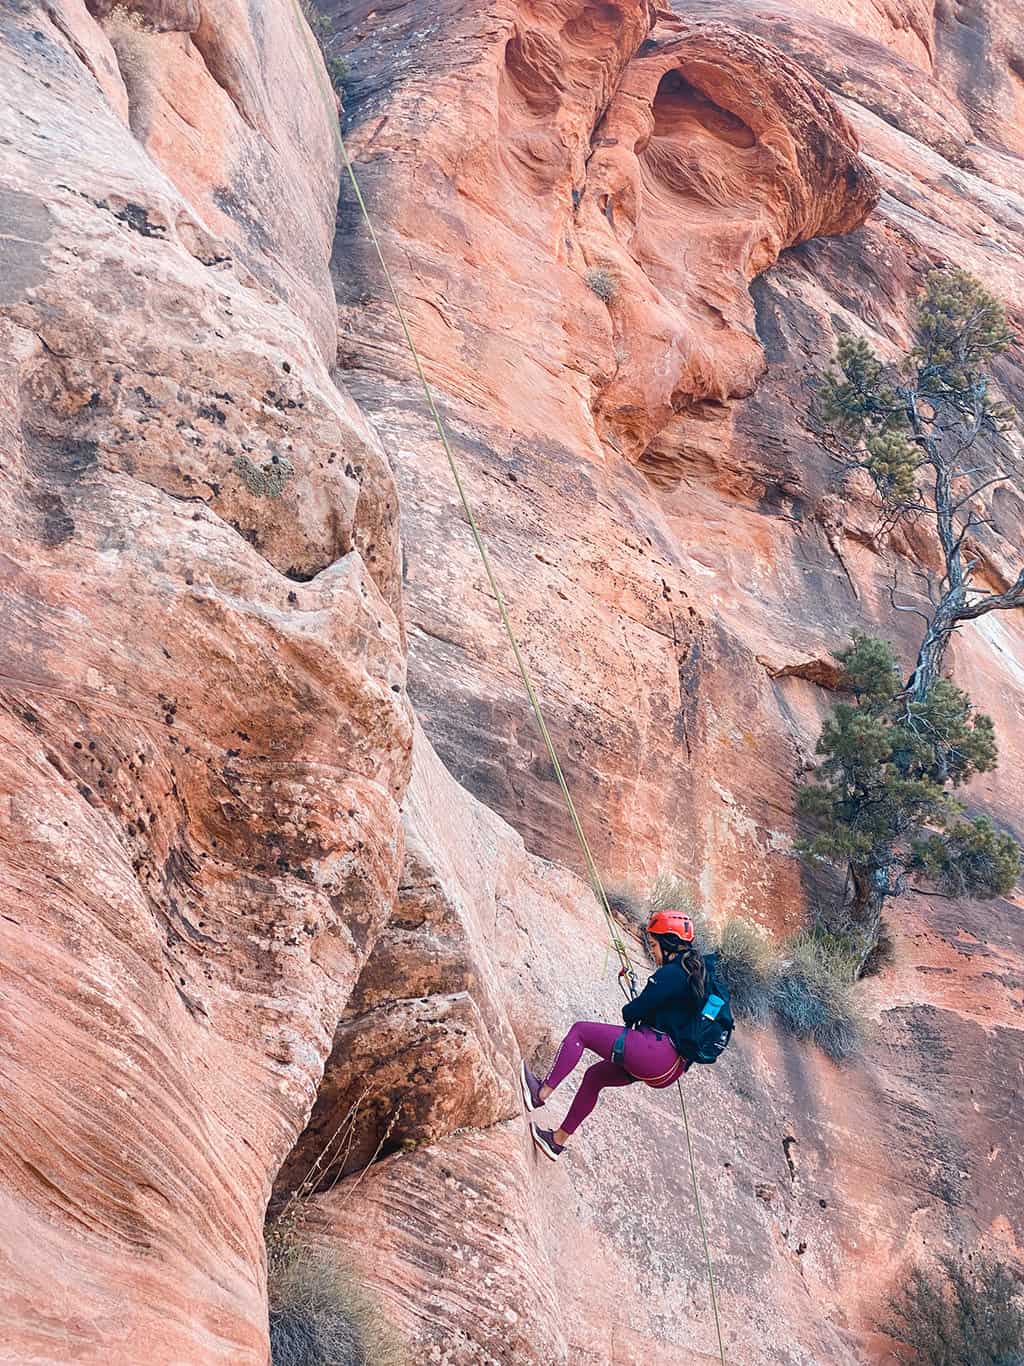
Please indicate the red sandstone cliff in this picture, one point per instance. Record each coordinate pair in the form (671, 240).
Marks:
(208, 893)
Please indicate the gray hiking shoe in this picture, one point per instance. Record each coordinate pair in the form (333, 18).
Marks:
(531, 1088)
(545, 1141)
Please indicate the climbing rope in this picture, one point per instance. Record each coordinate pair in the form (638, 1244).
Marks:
(626, 971)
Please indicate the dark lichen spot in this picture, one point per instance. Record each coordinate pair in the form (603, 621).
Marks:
(136, 216)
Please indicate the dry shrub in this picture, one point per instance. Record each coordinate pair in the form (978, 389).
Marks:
(602, 282)
(747, 963)
(960, 1313)
(813, 994)
(627, 905)
(320, 1314)
(669, 893)
(806, 983)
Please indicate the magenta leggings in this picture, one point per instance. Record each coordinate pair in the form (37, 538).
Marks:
(649, 1057)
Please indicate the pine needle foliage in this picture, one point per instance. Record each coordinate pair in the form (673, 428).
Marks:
(881, 799)
(892, 419)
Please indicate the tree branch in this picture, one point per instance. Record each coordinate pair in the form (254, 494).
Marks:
(994, 602)
(906, 608)
(996, 479)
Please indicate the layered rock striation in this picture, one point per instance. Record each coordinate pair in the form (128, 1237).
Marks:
(205, 730)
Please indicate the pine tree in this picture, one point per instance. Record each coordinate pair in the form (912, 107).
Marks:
(881, 801)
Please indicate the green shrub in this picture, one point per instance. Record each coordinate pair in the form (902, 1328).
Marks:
(813, 994)
(960, 1314)
(602, 282)
(338, 71)
(319, 1313)
(888, 766)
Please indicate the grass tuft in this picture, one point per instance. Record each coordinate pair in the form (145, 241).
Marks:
(668, 893)
(747, 962)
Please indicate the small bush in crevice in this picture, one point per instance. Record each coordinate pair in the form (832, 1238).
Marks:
(812, 994)
(328, 39)
(320, 1315)
(961, 1313)
(627, 905)
(602, 282)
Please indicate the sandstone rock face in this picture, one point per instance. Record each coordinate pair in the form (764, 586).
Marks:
(626, 238)
(680, 566)
(424, 1046)
(569, 404)
(205, 734)
(659, 606)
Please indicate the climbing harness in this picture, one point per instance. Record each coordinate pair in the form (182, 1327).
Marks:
(626, 972)
(619, 1056)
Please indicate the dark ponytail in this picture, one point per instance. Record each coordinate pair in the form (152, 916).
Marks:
(694, 965)
(689, 957)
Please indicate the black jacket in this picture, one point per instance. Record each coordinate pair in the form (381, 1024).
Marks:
(667, 1002)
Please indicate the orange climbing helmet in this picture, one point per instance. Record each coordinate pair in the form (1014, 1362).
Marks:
(671, 922)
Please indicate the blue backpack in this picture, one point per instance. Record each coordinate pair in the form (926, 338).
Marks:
(705, 1038)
